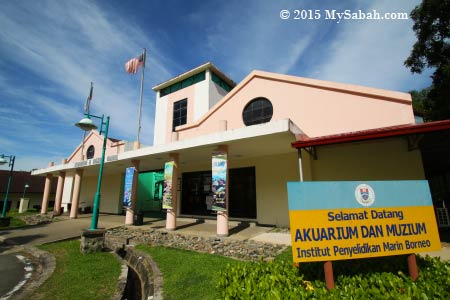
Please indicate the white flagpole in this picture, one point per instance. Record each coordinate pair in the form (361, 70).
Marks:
(140, 97)
(87, 107)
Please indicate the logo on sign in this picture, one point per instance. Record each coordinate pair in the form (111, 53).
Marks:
(365, 195)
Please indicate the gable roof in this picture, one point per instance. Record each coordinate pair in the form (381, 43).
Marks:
(194, 71)
(381, 94)
(93, 133)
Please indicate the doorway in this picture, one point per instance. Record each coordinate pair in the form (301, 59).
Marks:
(149, 195)
(196, 191)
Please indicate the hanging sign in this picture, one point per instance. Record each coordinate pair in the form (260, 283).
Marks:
(167, 191)
(350, 219)
(127, 190)
(219, 182)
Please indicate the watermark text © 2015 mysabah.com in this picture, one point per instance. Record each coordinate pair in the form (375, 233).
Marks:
(338, 16)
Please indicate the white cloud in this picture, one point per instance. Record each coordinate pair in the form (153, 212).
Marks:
(65, 45)
(372, 53)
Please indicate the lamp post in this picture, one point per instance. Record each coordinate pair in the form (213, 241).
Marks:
(3, 161)
(25, 189)
(86, 124)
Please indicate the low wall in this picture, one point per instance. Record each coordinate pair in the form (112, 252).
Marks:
(142, 266)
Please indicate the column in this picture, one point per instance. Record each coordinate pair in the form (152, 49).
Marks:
(59, 193)
(76, 194)
(171, 218)
(134, 190)
(48, 185)
(222, 215)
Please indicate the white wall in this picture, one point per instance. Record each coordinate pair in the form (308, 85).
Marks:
(201, 105)
(67, 191)
(159, 133)
(216, 93)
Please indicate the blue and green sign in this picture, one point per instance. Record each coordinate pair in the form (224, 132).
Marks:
(128, 187)
(352, 219)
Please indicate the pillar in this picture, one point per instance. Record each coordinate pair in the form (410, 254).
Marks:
(171, 218)
(134, 190)
(76, 194)
(222, 216)
(59, 192)
(48, 184)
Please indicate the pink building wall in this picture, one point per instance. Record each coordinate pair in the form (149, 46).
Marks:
(95, 139)
(317, 107)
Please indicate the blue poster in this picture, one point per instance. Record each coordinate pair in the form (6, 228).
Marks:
(129, 174)
(219, 182)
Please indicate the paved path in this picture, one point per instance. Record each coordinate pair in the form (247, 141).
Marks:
(11, 266)
(36, 235)
(57, 230)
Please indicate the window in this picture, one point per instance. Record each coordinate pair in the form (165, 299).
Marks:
(179, 113)
(182, 84)
(221, 82)
(257, 111)
(90, 152)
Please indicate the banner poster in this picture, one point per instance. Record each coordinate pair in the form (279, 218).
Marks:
(167, 191)
(219, 182)
(353, 219)
(129, 174)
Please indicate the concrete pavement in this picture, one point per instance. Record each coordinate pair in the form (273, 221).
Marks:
(64, 228)
(14, 267)
(61, 229)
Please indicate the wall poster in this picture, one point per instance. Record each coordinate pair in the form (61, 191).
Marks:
(219, 182)
(167, 191)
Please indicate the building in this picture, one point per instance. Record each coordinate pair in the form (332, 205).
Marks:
(24, 185)
(273, 128)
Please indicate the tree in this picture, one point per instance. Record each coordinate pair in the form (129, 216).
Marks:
(432, 50)
(420, 101)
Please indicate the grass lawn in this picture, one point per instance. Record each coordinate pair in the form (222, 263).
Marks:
(78, 276)
(188, 274)
(15, 220)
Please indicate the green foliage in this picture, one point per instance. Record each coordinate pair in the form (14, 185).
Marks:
(78, 276)
(273, 280)
(188, 274)
(432, 50)
(380, 278)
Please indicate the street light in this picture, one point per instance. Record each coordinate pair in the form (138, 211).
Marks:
(10, 163)
(86, 124)
(25, 189)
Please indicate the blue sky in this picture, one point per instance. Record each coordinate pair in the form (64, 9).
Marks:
(50, 51)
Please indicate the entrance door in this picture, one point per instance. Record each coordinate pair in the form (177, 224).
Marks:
(242, 189)
(196, 188)
(149, 196)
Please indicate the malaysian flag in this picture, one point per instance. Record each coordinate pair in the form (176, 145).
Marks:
(133, 64)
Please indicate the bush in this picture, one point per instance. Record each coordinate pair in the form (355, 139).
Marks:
(380, 278)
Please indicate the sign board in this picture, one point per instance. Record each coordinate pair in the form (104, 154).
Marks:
(219, 182)
(167, 191)
(128, 186)
(351, 219)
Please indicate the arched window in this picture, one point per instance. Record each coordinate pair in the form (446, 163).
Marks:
(257, 111)
(90, 152)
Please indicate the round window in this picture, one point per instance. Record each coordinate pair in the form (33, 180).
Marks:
(257, 111)
(90, 152)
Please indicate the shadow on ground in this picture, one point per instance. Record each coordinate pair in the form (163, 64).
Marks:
(444, 234)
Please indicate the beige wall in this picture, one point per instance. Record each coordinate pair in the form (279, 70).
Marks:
(387, 159)
(110, 196)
